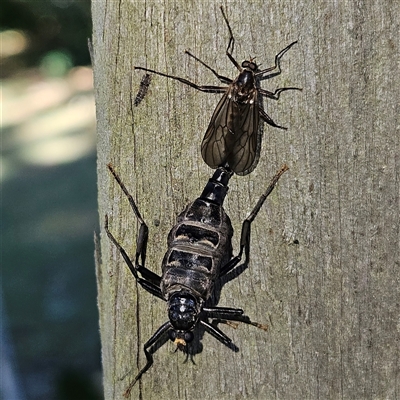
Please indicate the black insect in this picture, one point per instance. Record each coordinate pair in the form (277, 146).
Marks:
(233, 136)
(143, 88)
(199, 252)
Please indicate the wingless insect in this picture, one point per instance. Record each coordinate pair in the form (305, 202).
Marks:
(233, 135)
(143, 88)
(199, 252)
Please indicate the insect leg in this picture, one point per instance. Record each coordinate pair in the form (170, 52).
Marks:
(222, 312)
(246, 226)
(161, 331)
(276, 66)
(150, 278)
(208, 89)
(217, 333)
(272, 95)
(231, 43)
(245, 236)
(230, 265)
(229, 51)
(222, 78)
(275, 95)
(146, 284)
(268, 119)
(231, 314)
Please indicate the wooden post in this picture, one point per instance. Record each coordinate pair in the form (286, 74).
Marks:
(324, 270)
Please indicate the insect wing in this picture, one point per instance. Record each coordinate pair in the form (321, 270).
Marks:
(232, 135)
(213, 147)
(247, 139)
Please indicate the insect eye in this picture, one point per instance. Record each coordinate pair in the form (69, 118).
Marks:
(172, 335)
(253, 66)
(188, 337)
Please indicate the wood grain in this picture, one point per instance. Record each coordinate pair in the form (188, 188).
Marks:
(324, 270)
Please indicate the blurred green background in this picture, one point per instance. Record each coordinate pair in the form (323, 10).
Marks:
(50, 346)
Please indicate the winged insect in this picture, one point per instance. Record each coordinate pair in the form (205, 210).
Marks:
(233, 135)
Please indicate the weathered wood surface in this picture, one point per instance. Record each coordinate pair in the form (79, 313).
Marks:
(325, 253)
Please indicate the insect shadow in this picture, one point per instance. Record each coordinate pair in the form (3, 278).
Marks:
(233, 136)
(199, 253)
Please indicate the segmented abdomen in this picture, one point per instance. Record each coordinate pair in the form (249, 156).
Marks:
(198, 245)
